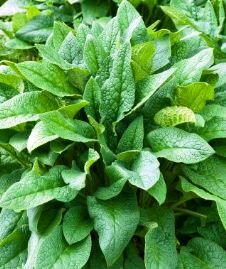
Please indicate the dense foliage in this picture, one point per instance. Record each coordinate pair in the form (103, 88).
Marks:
(112, 134)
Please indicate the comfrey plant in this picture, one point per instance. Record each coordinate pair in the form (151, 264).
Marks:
(112, 134)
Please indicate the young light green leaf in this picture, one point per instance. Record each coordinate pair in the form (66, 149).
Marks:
(76, 225)
(179, 146)
(142, 56)
(194, 96)
(118, 222)
(174, 115)
(132, 138)
(47, 76)
(61, 254)
(25, 107)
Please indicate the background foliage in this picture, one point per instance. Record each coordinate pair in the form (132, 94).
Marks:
(112, 134)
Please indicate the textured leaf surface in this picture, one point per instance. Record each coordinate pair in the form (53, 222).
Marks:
(118, 92)
(76, 225)
(179, 146)
(25, 107)
(174, 115)
(55, 253)
(194, 95)
(47, 77)
(33, 190)
(115, 223)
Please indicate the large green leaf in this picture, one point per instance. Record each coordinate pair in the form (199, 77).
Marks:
(66, 128)
(209, 252)
(179, 146)
(54, 252)
(47, 76)
(33, 190)
(37, 30)
(25, 107)
(77, 224)
(209, 175)
(132, 138)
(118, 92)
(118, 222)
(13, 249)
(160, 246)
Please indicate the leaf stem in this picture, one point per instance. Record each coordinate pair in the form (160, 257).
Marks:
(190, 212)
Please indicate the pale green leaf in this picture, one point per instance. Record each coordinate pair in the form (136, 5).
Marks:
(174, 115)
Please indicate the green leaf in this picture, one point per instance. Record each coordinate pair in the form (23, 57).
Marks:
(10, 8)
(60, 31)
(92, 11)
(221, 204)
(207, 251)
(174, 115)
(194, 95)
(190, 261)
(179, 146)
(76, 225)
(131, 24)
(66, 128)
(13, 249)
(94, 54)
(106, 193)
(75, 178)
(209, 175)
(47, 77)
(118, 92)
(142, 56)
(25, 107)
(37, 30)
(39, 136)
(33, 190)
(142, 170)
(9, 220)
(61, 254)
(187, 71)
(160, 246)
(214, 128)
(158, 191)
(92, 94)
(132, 138)
(118, 222)
(147, 87)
